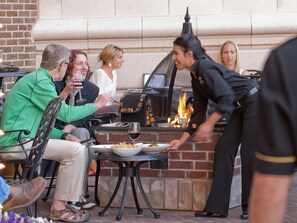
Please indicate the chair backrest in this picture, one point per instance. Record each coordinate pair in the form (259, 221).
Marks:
(255, 75)
(41, 138)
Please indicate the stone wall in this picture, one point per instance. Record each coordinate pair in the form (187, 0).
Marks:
(146, 29)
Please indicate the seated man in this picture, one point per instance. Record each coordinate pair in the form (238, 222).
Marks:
(24, 108)
(20, 195)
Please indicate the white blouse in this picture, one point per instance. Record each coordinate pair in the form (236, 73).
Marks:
(103, 81)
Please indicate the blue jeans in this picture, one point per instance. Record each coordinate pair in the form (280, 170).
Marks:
(4, 190)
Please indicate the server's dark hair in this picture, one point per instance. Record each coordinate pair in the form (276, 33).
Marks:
(190, 42)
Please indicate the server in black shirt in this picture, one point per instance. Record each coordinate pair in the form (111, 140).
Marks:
(276, 156)
(234, 95)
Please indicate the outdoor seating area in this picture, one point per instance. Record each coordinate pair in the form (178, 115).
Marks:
(147, 111)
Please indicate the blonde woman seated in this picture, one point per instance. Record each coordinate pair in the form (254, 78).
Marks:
(230, 57)
(106, 77)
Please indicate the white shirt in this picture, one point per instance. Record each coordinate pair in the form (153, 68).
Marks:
(103, 81)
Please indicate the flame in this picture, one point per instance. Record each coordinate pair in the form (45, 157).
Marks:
(183, 113)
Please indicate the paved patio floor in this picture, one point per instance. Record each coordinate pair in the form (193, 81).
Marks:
(130, 215)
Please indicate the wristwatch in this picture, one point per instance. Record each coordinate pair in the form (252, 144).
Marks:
(64, 135)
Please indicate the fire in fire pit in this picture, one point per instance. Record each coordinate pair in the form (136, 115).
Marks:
(184, 113)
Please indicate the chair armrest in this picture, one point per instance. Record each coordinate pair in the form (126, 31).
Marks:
(21, 143)
(107, 114)
(94, 121)
(21, 131)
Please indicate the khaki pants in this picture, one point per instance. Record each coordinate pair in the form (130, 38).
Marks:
(72, 157)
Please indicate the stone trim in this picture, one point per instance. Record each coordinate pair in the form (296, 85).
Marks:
(163, 27)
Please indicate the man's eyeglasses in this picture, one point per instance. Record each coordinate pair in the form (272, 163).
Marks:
(64, 62)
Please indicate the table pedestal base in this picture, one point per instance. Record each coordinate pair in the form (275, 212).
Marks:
(128, 170)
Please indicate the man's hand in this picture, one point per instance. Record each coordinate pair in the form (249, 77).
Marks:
(102, 100)
(69, 88)
(68, 128)
(72, 138)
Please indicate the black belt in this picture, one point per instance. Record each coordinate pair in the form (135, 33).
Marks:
(238, 104)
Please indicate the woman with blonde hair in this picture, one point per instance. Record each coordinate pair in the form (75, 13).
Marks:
(230, 57)
(106, 77)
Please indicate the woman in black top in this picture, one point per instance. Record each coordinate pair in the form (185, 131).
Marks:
(234, 95)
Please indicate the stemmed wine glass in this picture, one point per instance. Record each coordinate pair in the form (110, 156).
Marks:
(78, 78)
(134, 131)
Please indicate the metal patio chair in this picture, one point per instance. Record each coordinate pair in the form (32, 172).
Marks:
(28, 167)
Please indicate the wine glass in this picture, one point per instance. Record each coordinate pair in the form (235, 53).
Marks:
(78, 78)
(134, 131)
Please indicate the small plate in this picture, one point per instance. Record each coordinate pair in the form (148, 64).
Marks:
(105, 149)
(149, 149)
(116, 124)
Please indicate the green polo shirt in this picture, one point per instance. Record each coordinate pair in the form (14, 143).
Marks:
(26, 102)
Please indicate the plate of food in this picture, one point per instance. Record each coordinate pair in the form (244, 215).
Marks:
(154, 148)
(127, 149)
(105, 149)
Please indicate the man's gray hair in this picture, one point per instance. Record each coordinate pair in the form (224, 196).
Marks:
(53, 55)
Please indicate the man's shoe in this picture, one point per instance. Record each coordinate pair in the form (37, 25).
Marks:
(244, 215)
(82, 205)
(22, 195)
(208, 214)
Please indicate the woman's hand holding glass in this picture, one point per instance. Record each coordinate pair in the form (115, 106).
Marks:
(78, 80)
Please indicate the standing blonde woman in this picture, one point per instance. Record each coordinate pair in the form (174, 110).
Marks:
(230, 57)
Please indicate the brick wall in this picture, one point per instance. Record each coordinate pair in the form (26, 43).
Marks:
(184, 185)
(18, 18)
(191, 161)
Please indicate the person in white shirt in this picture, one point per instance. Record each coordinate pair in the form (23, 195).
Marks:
(106, 77)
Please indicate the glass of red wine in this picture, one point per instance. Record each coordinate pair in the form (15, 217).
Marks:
(78, 78)
(134, 131)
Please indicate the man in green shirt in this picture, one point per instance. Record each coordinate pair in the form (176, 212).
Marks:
(24, 108)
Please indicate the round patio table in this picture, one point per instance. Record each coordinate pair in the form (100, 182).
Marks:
(129, 167)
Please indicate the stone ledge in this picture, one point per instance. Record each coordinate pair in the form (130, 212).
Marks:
(162, 27)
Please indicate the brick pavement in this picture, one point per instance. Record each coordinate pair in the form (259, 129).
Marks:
(130, 215)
